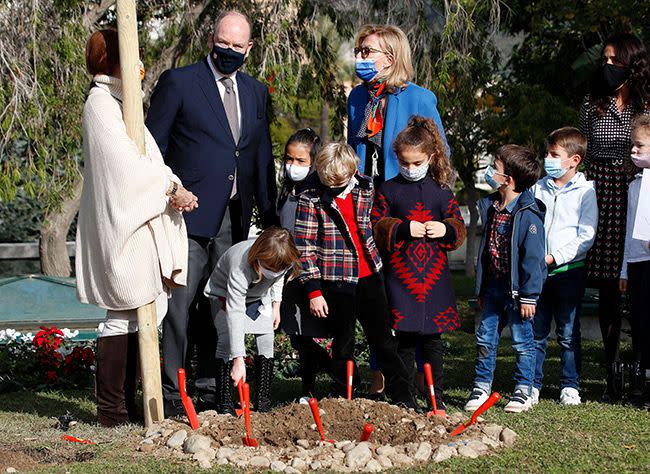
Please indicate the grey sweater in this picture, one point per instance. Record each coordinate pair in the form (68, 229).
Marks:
(234, 279)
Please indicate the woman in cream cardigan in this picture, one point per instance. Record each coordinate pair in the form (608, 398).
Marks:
(131, 237)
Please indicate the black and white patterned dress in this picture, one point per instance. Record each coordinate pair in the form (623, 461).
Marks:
(608, 164)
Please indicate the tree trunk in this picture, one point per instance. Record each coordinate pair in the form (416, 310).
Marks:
(325, 122)
(470, 252)
(52, 246)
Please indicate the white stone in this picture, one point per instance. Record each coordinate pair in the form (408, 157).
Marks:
(467, 451)
(152, 430)
(508, 436)
(176, 440)
(341, 444)
(205, 456)
(348, 447)
(196, 443)
(222, 461)
(298, 463)
(419, 424)
(401, 459)
(441, 430)
(205, 424)
(291, 470)
(167, 432)
(478, 446)
(209, 413)
(303, 443)
(386, 450)
(358, 456)
(313, 426)
(492, 430)
(225, 453)
(411, 448)
(147, 441)
(424, 452)
(11, 469)
(315, 465)
(385, 461)
(491, 442)
(278, 466)
(259, 461)
(443, 452)
(373, 466)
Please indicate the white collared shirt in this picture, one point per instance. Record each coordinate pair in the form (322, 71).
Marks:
(222, 89)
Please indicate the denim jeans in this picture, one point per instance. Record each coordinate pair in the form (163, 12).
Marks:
(499, 310)
(561, 300)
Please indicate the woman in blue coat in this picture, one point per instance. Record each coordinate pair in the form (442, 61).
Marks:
(380, 107)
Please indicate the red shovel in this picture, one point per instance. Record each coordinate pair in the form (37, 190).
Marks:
(248, 440)
(242, 403)
(349, 374)
(313, 404)
(432, 392)
(367, 431)
(479, 411)
(187, 401)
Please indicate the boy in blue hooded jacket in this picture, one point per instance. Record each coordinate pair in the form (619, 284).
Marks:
(510, 272)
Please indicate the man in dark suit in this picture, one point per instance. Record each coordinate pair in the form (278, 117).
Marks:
(210, 122)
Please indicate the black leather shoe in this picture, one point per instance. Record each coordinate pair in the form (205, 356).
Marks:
(173, 408)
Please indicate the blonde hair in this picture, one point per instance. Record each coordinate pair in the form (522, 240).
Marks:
(276, 250)
(641, 122)
(336, 162)
(394, 41)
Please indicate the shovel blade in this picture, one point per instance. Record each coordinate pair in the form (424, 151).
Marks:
(251, 442)
(458, 430)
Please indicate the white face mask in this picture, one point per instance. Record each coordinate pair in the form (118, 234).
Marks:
(296, 173)
(641, 160)
(270, 275)
(414, 174)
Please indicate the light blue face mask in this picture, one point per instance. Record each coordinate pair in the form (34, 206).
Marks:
(489, 177)
(366, 69)
(553, 167)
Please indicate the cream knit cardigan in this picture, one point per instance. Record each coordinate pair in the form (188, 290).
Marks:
(129, 239)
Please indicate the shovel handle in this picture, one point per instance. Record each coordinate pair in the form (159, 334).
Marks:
(432, 392)
(247, 409)
(349, 375)
(313, 404)
(487, 404)
(367, 431)
(181, 383)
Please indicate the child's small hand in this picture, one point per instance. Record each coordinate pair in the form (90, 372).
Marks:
(622, 285)
(435, 229)
(527, 311)
(318, 307)
(418, 229)
(550, 260)
(276, 314)
(238, 371)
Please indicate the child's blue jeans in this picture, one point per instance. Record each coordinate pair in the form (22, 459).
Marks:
(561, 300)
(499, 310)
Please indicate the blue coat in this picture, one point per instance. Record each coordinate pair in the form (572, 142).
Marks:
(527, 251)
(400, 107)
(189, 123)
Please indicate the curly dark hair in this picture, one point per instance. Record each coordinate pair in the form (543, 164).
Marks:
(631, 53)
(422, 134)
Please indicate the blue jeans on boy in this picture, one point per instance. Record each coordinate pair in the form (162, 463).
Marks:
(561, 300)
(499, 310)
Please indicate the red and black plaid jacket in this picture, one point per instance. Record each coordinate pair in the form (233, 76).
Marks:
(327, 252)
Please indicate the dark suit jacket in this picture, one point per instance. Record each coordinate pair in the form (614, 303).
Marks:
(188, 121)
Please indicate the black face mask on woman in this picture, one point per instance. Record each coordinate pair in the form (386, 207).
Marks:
(613, 76)
(227, 60)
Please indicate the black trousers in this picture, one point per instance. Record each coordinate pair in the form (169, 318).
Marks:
(638, 286)
(368, 303)
(610, 318)
(189, 314)
(432, 353)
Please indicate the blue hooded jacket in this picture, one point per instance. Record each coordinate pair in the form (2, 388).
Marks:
(527, 252)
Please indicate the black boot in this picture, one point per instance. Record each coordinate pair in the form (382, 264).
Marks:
(110, 379)
(224, 402)
(614, 390)
(263, 378)
(636, 383)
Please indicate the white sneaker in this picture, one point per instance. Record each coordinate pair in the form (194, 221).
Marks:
(476, 399)
(534, 395)
(519, 402)
(570, 396)
(304, 400)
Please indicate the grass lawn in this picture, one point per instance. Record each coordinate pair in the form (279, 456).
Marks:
(593, 437)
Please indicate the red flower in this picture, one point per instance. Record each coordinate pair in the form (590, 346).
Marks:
(50, 376)
(48, 337)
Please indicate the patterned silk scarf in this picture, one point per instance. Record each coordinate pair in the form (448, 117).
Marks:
(372, 126)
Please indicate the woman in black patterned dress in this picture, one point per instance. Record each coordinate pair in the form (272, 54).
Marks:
(620, 91)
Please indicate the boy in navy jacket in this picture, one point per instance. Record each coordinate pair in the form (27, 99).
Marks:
(510, 272)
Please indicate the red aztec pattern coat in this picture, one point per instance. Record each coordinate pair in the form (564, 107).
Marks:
(418, 280)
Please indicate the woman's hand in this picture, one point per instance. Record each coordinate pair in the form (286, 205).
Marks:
(238, 371)
(276, 314)
(318, 307)
(418, 230)
(435, 229)
(184, 200)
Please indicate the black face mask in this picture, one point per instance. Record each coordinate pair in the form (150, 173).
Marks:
(227, 60)
(336, 191)
(613, 76)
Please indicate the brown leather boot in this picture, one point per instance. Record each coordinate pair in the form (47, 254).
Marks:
(112, 355)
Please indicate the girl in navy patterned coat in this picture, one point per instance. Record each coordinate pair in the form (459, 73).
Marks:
(416, 221)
